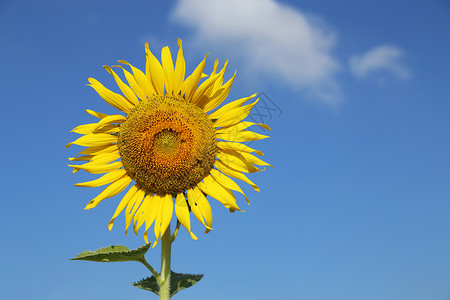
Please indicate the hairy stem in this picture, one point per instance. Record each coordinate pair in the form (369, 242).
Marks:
(166, 245)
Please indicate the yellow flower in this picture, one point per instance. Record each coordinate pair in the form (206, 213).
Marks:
(169, 143)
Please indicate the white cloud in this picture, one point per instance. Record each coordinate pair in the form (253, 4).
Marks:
(384, 58)
(267, 38)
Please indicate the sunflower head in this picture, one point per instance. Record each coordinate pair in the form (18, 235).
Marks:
(170, 141)
(167, 145)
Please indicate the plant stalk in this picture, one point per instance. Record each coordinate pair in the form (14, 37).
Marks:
(166, 245)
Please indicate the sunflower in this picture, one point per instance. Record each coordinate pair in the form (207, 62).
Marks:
(170, 142)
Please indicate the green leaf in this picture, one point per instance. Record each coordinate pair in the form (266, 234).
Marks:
(148, 284)
(113, 253)
(178, 282)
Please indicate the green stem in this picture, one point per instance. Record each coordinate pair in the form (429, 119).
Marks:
(166, 244)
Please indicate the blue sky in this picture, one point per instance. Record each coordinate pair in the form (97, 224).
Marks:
(357, 204)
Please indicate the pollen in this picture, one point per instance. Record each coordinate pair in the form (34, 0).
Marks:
(167, 145)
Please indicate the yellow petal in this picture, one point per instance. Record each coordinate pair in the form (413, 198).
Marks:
(94, 140)
(81, 158)
(132, 207)
(98, 163)
(99, 150)
(200, 210)
(96, 114)
(225, 90)
(219, 81)
(126, 90)
(236, 161)
(110, 191)
(213, 91)
(217, 89)
(214, 71)
(158, 209)
(240, 126)
(113, 99)
(139, 217)
(105, 158)
(205, 208)
(238, 147)
(182, 212)
(142, 80)
(241, 136)
(123, 203)
(105, 179)
(201, 94)
(154, 72)
(133, 84)
(146, 237)
(227, 107)
(100, 159)
(234, 173)
(211, 187)
(180, 69)
(166, 213)
(85, 128)
(109, 120)
(152, 211)
(234, 115)
(227, 182)
(94, 128)
(107, 129)
(168, 68)
(98, 169)
(254, 160)
(191, 82)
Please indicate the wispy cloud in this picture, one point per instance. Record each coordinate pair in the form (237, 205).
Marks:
(269, 39)
(384, 58)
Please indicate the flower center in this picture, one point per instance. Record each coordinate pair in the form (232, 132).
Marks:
(167, 145)
(167, 142)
